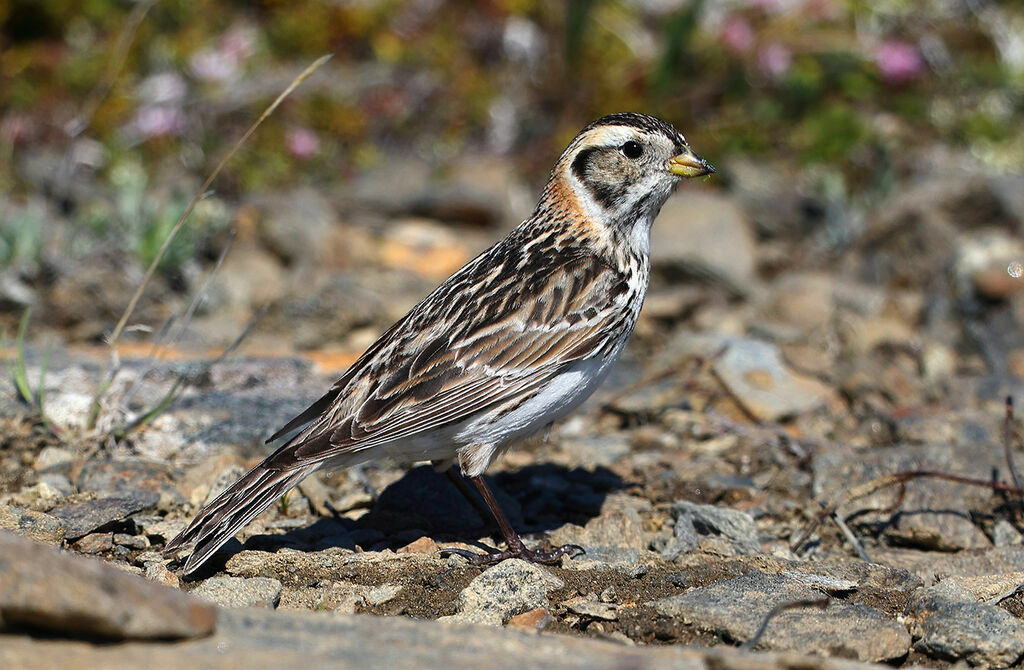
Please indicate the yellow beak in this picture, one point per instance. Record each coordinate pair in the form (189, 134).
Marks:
(689, 164)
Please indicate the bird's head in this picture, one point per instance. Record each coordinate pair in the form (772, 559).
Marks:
(621, 168)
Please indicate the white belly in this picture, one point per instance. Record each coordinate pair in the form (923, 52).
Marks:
(559, 397)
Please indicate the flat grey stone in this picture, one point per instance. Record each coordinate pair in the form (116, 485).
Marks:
(950, 625)
(502, 591)
(706, 235)
(930, 566)
(71, 595)
(694, 522)
(736, 608)
(85, 517)
(633, 562)
(613, 528)
(123, 478)
(257, 638)
(755, 374)
(240, 591)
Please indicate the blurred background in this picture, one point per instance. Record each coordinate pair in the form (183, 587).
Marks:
(879, 143)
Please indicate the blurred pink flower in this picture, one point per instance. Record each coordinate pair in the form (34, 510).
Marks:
(302, 143)
(158, 121)
(775, 60)
(738, 35)
(238, 42)
(235, 47)
(17, 128)
(899, 62)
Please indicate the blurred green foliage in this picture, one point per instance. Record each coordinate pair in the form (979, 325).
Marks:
(812, 82)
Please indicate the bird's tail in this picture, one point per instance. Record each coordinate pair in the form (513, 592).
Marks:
(239, 504)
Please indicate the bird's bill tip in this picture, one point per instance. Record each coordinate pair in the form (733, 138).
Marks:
(688, 164)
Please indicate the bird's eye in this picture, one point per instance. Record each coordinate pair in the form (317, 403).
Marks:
(632, 149)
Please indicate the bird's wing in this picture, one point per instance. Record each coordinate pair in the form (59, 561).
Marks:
(484, 338)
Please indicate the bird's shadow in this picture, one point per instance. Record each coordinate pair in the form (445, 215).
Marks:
(424, 502)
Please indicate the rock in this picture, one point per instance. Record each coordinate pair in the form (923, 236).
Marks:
(240, 592)
(707, 235)
(478, 191)
(595, 450)
(632, 562)
(592, 609)
(805, 300)
(502, 591)
(981, 264)
(294, 224)
(31, 524)
(955, 627)
(54, 459)
(930, 566)
(95, 543)
(695, 523)
(56, 482)
(70, 595)
(236, 295)
(922, 226)
(986, 588)
(85, 517)
(823, 583)
(251, 638)
(423, 247)
(378, 595)
(138, 542)
(159, 529)
(535, 620)
(1005, 535)
(289, 565)
(342, 597)
(344, 302)
(159, 573)
(423, 545)
(737, 607)
(755, 374)
(614, 528)
(771, 194)
(118, 478)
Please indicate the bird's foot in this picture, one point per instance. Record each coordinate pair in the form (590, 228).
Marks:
(519, 551)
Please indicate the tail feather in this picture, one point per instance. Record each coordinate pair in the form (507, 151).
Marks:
(239, 504)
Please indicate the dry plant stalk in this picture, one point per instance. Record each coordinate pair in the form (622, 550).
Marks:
(901, 479)
(114, 362)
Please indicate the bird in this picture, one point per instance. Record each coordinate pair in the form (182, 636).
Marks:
(509, 344)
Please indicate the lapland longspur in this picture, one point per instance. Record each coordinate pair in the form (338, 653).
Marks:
(508, 344)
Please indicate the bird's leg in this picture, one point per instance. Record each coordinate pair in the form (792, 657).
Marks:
(458, 482)
(516, 548)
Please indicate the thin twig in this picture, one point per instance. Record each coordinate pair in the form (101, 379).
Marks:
(183, 381)
(78, 124)
(1008, 442)
(820, 603)
(117, 60)
(899, 479)
(202, 192)
(114, 363)
(851, 538)
(164, 341)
